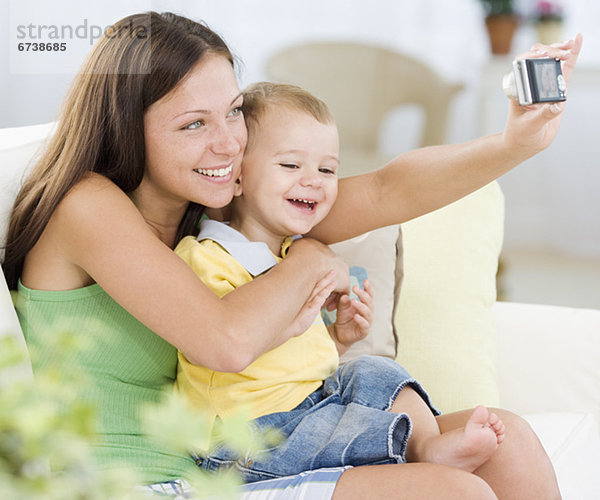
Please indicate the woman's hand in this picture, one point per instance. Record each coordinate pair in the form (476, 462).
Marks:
(354, 317)
(312, 307)
(320, 255)
(530, 129)
(327, 290)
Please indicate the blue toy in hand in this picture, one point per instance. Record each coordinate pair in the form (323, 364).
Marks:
(357, 276)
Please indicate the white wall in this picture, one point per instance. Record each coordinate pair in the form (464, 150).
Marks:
(450, 37)
(551, 201)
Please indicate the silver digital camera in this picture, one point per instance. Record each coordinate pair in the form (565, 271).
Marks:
(535, 81)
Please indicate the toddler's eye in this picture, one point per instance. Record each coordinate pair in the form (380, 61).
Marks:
(327, 170)
(288, 165)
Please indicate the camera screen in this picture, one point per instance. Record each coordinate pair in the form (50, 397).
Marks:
(545, 77)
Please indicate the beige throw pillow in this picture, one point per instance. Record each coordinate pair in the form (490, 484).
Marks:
(379, 252)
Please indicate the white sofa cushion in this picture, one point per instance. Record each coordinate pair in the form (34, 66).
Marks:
(9, 327)
(18, 148)
(548, 358)
(548, 371)
(572, 442)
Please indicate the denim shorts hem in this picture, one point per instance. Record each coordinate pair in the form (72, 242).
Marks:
(398, 441)
(418, 388)
(398, 438)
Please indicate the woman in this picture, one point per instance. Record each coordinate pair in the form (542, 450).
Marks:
(150, 134)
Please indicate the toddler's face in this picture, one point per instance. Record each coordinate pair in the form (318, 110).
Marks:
(289, 172)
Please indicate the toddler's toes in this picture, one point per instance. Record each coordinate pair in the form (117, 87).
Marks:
(498, 426)
(479, 417)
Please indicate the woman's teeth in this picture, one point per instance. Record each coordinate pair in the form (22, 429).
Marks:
(215, 172)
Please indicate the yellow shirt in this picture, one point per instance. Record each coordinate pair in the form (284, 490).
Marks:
(280, 379)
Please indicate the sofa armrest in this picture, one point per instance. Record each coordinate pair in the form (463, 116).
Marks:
(10, 327)
(548, 358)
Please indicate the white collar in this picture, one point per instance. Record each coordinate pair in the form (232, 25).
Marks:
(254, 256)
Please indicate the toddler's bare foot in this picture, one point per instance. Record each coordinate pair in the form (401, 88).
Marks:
(469, 447)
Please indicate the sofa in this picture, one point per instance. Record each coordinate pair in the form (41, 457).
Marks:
(437, 314)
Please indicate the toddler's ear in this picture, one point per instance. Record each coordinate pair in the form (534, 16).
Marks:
(237, 190)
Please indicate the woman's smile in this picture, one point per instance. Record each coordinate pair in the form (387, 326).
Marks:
(217, 174)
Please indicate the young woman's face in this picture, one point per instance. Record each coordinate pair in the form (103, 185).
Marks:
(195, 138)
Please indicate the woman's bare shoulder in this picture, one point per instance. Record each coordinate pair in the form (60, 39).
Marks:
(94, 199)
(79, 226)
(95, 186)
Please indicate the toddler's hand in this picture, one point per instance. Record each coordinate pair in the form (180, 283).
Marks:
(354, 317)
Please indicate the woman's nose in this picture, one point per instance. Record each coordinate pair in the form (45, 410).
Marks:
(227, 140)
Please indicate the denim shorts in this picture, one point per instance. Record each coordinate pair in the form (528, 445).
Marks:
(345, 422)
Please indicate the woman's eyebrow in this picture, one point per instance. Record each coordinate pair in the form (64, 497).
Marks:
(205, 111)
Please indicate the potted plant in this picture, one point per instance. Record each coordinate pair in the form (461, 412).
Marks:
(548, 21)
(501, 21)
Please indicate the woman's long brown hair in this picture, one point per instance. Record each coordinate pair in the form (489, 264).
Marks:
(101, 128)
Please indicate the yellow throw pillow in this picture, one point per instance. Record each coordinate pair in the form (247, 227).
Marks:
(444, 322)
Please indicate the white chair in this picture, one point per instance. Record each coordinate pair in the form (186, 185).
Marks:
(361, 84)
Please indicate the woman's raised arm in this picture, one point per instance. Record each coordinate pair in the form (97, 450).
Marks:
(423, 180)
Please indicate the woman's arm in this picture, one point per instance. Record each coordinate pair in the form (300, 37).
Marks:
(98, 231)
(423, 180)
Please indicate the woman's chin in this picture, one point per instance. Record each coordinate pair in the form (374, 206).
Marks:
(217, 201)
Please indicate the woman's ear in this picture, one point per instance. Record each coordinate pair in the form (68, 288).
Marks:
(237, 190)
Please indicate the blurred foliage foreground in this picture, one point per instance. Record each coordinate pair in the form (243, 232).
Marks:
(46, 434)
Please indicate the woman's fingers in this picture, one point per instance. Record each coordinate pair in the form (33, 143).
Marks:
(305, 317)
(569, 64)
(538, 121)
(321, 296)
(559, 50)
(567, 51)
(327, 282)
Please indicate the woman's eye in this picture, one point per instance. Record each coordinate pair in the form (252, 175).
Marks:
(194, 125)
(236, 111)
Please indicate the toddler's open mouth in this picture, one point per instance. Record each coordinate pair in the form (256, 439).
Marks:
(304, 204)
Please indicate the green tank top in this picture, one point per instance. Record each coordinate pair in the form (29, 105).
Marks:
(125, 364)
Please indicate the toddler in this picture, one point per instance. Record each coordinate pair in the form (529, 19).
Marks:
(370, 411)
